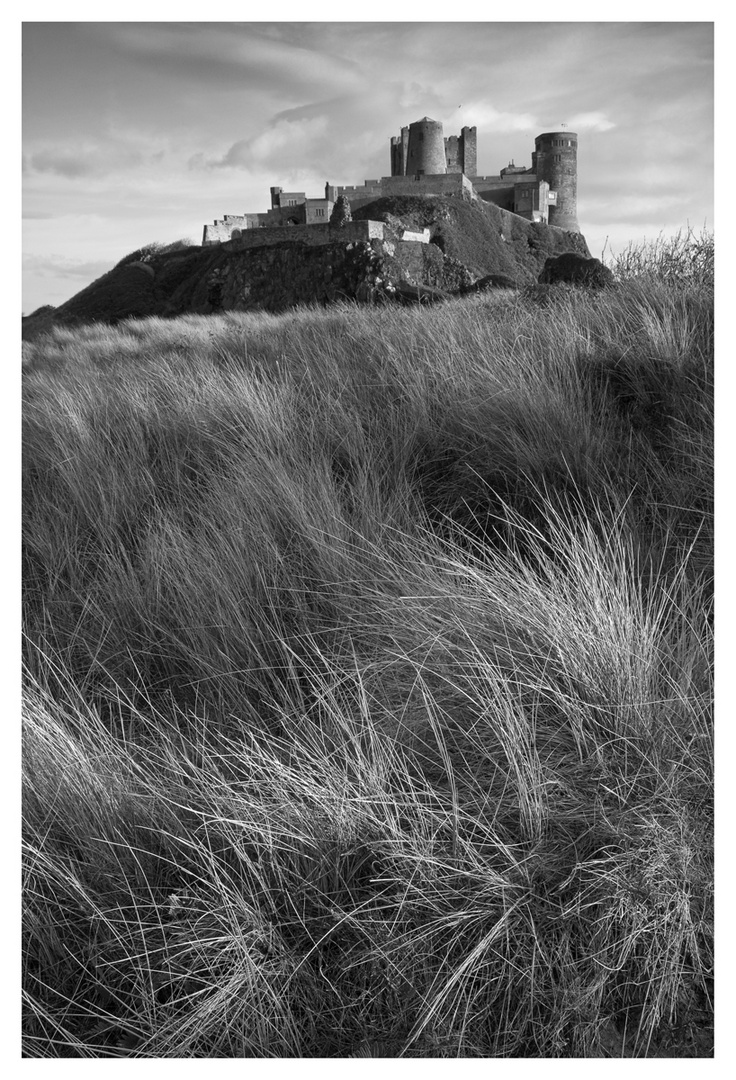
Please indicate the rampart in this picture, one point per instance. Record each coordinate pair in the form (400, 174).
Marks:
(312, 235)
(434, 184)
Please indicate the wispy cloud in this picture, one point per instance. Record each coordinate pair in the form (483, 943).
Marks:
(114, 152)
(279, 146)
(62, 266)
(484, 116)
(590, 121)
(85, 161)
(225, 52)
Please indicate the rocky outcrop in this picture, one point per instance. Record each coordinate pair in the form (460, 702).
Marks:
(571, 268)
(484, 238)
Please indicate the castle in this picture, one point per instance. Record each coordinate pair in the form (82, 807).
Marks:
(425, 162)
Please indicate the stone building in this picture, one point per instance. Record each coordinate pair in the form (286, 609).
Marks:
(425, 162)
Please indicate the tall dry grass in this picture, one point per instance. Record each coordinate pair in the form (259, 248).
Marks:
(368, 665)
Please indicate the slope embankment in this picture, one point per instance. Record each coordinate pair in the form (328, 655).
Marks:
(467, 241)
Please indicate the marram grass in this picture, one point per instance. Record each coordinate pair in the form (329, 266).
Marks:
(368, 681)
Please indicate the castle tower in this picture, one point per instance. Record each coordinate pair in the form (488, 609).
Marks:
(399, 149)
(469, 151)
(555, 159)
(426, 151)
(453, 155)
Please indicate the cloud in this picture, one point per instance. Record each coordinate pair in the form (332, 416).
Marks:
(91, 160)
(280, 147)
(250, 55)
(482, 115)
(61, 266)
(590, 121)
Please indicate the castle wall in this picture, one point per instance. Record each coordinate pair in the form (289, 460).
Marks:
(312, 235)
(222, 228)
(318, 211)
(217, 233)
(374, 188)
(496, 190)
(501, 190)
(286, 199)
(442, 184)
(438, 184)
(532, 201)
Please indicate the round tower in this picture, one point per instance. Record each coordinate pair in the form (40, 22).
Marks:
(555, 160)
(426, 152)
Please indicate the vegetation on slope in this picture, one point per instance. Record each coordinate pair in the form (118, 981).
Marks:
(477, 234)
(368, 681)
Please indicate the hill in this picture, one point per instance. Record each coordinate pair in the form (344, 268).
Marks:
(468, 241)
(477, 234)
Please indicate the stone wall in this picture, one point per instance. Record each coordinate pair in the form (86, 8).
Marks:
(216, 233)
(496, 190)
(222, 228)
(280, 276)
(311, 235)
(439, 184)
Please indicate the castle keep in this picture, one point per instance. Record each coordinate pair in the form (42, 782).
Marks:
(425, 162)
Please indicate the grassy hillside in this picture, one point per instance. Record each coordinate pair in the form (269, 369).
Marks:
(368, 680)
(477, 234)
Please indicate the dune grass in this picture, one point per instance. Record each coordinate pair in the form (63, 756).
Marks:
(368, 681)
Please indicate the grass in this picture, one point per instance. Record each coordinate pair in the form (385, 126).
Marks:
(368, 681)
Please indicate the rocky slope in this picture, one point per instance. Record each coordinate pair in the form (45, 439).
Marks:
(468, 242)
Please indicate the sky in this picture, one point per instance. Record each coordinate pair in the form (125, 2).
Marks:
(134, 132)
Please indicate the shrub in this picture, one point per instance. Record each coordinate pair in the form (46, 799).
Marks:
(341, 213)
(685, 258)
(149, 251)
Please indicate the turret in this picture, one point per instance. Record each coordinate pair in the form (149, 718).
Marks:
(469, 150)
(555, 159)
(399, 148)
(426, 151)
